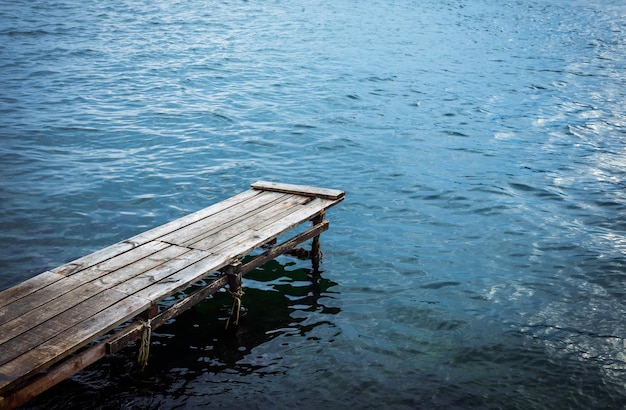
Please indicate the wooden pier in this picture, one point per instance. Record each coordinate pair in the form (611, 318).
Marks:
(57, 323)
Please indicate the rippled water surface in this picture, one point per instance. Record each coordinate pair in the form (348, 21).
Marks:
(478, 261)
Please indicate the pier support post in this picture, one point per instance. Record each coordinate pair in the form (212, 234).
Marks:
(316, 253)
(234, 274)
(144, 347)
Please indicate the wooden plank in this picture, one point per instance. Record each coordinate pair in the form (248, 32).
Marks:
(93, 269)
(54, 376)
(94, 258)
(67, 342)
(295, 216)
(147, 270)
(160, 231)
(230, 251)
(143, 266)
(74, 315)
(242, 221)
(247, 221)
(184, 278)
(249, 240)
(228, 216)
(31, 285)
(61, 287)
(299, 190)
(201, 268)
(52, 284)
(32, 318)
(244, 212)
(34, 300)
(111, 345)
(59, 324)
(218, 259)
(163, 273)
(126, 262)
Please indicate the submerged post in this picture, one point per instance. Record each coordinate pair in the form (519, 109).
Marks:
(234, 274)
(316, 252)
(144, 347)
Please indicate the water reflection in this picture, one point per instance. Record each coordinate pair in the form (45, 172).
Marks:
(279, 300)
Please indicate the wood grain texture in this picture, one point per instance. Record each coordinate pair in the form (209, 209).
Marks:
(299, 189)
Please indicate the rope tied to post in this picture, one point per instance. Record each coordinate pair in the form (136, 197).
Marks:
(144, 348)
(235, 310)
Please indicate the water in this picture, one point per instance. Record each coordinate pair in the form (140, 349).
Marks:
(478, 261)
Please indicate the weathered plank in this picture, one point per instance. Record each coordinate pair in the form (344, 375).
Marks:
(52, 377)
(78, 315)
(249, 221)
(183, 278)
(163, 273)
(207, 227)
(27, 287)
(67, 342)
(32, 318)
(122, 272)
(299, 190)
(248, 240)
(307, 212)
(185, 221)
(145, 271)
(246, 219)
(37, 298)
(60, 287)
(94, 258)
(95, 268)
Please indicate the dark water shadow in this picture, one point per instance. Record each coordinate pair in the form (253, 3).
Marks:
(279, 298)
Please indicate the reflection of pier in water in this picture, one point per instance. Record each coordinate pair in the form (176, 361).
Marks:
(277, 306)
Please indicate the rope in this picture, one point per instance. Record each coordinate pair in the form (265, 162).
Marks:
(236, 309)
(144, 348)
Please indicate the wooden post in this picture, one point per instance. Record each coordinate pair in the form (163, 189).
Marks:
(316, 253)
(233, 272)
(144, 347)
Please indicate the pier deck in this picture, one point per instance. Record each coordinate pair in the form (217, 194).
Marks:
(62, 320)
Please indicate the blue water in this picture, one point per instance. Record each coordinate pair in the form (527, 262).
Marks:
(478, 261)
